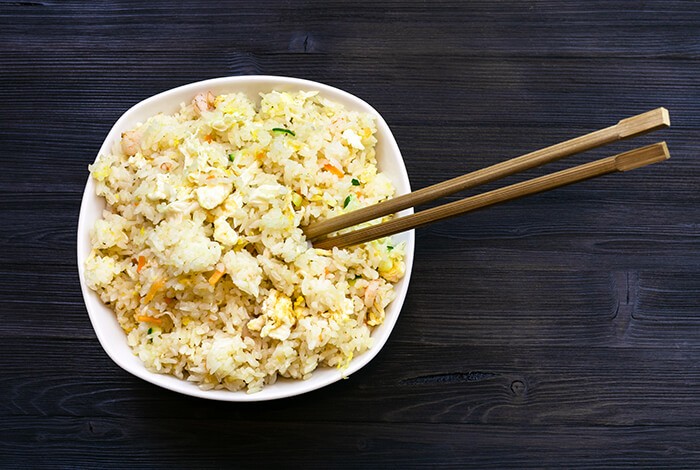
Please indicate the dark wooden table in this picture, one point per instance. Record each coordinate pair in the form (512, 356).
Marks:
(559, 330)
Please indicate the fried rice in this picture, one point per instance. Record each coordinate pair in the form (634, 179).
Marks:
(200, 251)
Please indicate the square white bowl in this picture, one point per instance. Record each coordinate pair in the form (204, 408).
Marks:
(110, 334)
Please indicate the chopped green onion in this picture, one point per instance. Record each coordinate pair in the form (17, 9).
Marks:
(355, 182)
(357, 276)
(150, 330)
(389, 248)
(231, 157)
(347, 201)
(283, 130)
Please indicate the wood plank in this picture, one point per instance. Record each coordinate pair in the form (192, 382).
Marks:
(668, 297)
(409, 382)
(489, 309)
(566, 28)
(599, 89)
(176, 443)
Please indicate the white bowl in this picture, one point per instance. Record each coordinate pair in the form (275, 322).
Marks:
(112, 337)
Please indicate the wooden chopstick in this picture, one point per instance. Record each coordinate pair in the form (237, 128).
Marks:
(626, 128)
(622, 162)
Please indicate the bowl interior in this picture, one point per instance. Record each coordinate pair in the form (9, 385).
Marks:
(111, 336)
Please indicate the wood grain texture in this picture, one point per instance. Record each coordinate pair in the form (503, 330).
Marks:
(88, 442)
(561, 330)
(495, 385)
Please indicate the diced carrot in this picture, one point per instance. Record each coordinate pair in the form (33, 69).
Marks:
(155, 287)
(141, 264)
(168, 300)
(149, 319)
(260, 155)
(211, 177)
(208, 138)
(333, 170)
(215, 277)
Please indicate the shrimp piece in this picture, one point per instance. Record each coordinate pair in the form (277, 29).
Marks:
(130, 142)
(371, 293)
(203, 102)
(199, 103)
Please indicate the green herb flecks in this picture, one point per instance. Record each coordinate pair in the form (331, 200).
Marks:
(231, 157)
(283, 131)
(347, 201)
(389, 248)
(150, 331)
(355, 182)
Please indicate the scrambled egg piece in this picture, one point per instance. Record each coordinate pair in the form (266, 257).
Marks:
(267, 193)
(244, 270)
(299, 305)
(277, 319)
(376, 316)
(353, 139)
(101, 169)
(211, 196)
(224, 233)
(391, 270)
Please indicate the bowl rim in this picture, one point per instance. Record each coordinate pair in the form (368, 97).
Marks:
(268, 392)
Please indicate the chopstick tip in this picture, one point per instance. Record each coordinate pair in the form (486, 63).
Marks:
(658, 118)
(643, 156)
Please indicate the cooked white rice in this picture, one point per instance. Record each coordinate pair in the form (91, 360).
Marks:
(224, 186)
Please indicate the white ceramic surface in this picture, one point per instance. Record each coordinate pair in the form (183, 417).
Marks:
(108, 331)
